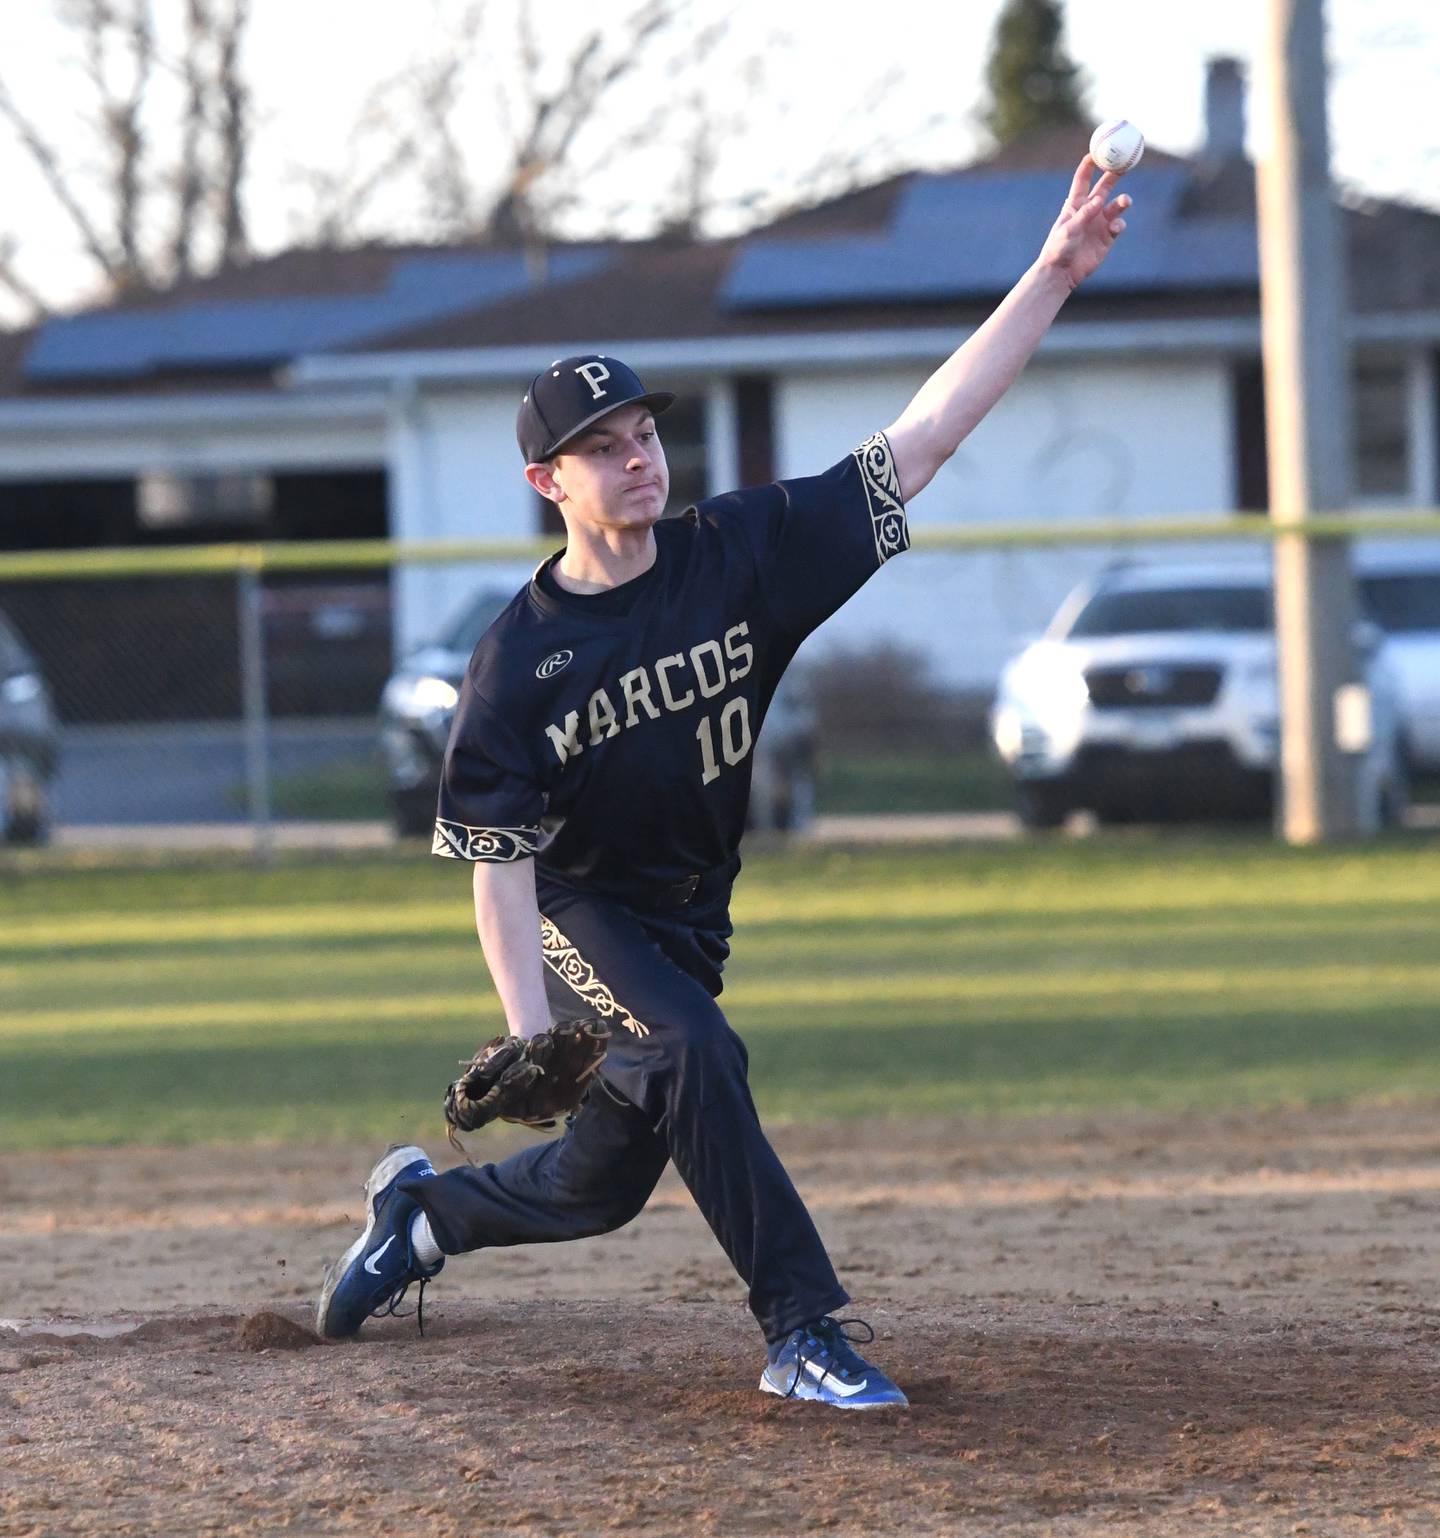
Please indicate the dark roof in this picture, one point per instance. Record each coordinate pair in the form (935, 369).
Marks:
(866, 208)
(969, 234)
(260, 330)
(919, 249)
(1394, 253)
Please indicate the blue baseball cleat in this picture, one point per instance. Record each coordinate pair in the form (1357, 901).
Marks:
(820, 1363)
(377, 1270)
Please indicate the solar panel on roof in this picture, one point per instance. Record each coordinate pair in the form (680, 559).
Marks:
(966, 236)
(239, 333)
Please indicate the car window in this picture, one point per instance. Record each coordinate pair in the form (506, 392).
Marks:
(461, 634)
(1403, 603)
(1133, 611)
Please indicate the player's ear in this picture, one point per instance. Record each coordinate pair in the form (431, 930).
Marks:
(542, 477)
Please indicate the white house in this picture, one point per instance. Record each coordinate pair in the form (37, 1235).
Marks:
(373, 392)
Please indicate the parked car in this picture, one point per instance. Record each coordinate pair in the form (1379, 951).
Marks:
(29, 743)
(328, 644)
(1403, 599)
(1153, 695)
(418, 705)
(787, 762)
(419, 702)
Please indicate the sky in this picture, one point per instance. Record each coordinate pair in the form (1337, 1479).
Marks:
(314, 61)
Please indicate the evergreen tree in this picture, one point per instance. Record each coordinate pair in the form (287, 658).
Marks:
(1033, 82)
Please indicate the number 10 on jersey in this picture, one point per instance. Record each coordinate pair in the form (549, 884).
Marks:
(734, 738)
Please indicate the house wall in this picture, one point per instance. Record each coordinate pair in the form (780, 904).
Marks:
(1079, 440)
(455, 473)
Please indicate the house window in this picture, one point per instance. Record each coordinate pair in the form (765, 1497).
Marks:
(166, 501)
(682, 432)
(755, 420)
(1381, 424)
(1247, 416)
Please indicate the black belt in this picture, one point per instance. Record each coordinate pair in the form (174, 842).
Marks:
(698, 890)
(680, 895)
(693, 891)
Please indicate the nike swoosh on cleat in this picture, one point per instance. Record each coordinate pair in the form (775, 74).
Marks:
(820, 1374)
(371, 1266)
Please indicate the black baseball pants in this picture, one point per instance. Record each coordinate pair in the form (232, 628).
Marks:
(674, 1086)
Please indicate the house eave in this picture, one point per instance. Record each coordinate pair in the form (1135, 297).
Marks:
(99, 412)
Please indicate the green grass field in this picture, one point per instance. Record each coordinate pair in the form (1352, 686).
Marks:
(906, 781)
(327, 1001)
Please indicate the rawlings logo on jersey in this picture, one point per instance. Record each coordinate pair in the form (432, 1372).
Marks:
(670, 684)
(553, 663)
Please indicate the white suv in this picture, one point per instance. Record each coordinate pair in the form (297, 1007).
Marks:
(1153, 695)
(1403, 598)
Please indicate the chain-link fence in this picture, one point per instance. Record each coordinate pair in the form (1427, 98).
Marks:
(241, 694)
(179, 699)
(218, 691)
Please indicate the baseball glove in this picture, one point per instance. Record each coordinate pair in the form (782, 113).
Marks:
(532, 1081)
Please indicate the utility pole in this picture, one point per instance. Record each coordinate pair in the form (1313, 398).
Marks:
(1303, 303)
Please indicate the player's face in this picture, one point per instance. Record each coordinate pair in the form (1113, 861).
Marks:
(615, 475)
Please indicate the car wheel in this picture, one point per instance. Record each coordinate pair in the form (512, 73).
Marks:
(26, 809)
(796, 807)
(1041, 806)
(1395, 790)
(1125, 814)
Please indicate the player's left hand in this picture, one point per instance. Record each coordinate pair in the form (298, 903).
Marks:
(1090, 222)
(532, 1082)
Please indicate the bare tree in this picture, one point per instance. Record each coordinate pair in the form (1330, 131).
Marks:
(545, 119)
(728, 177)
(497, 130)
(160, 199)
(404, 132)
(665, 92)
(227, 24)
(189, 172)
(384, 148)
(119, 60)
(15, 282)
(542, 96)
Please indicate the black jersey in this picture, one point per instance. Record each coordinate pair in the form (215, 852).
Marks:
(615, 745)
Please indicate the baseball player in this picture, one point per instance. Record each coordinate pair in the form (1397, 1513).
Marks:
(597, 777)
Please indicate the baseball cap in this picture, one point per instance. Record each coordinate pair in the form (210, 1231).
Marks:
(572, 394)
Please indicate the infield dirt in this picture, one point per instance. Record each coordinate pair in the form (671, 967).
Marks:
(1137, 1326)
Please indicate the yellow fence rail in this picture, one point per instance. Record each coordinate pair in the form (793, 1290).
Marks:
(319, 555)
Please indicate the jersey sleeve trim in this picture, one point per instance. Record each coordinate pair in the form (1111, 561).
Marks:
(881, 480)
(457, 841)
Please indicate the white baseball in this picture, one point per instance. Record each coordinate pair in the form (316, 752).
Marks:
(1117, 146)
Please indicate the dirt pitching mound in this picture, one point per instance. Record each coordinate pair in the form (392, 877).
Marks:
(647, 1420)
(1227, 1325)
(267, 1331)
